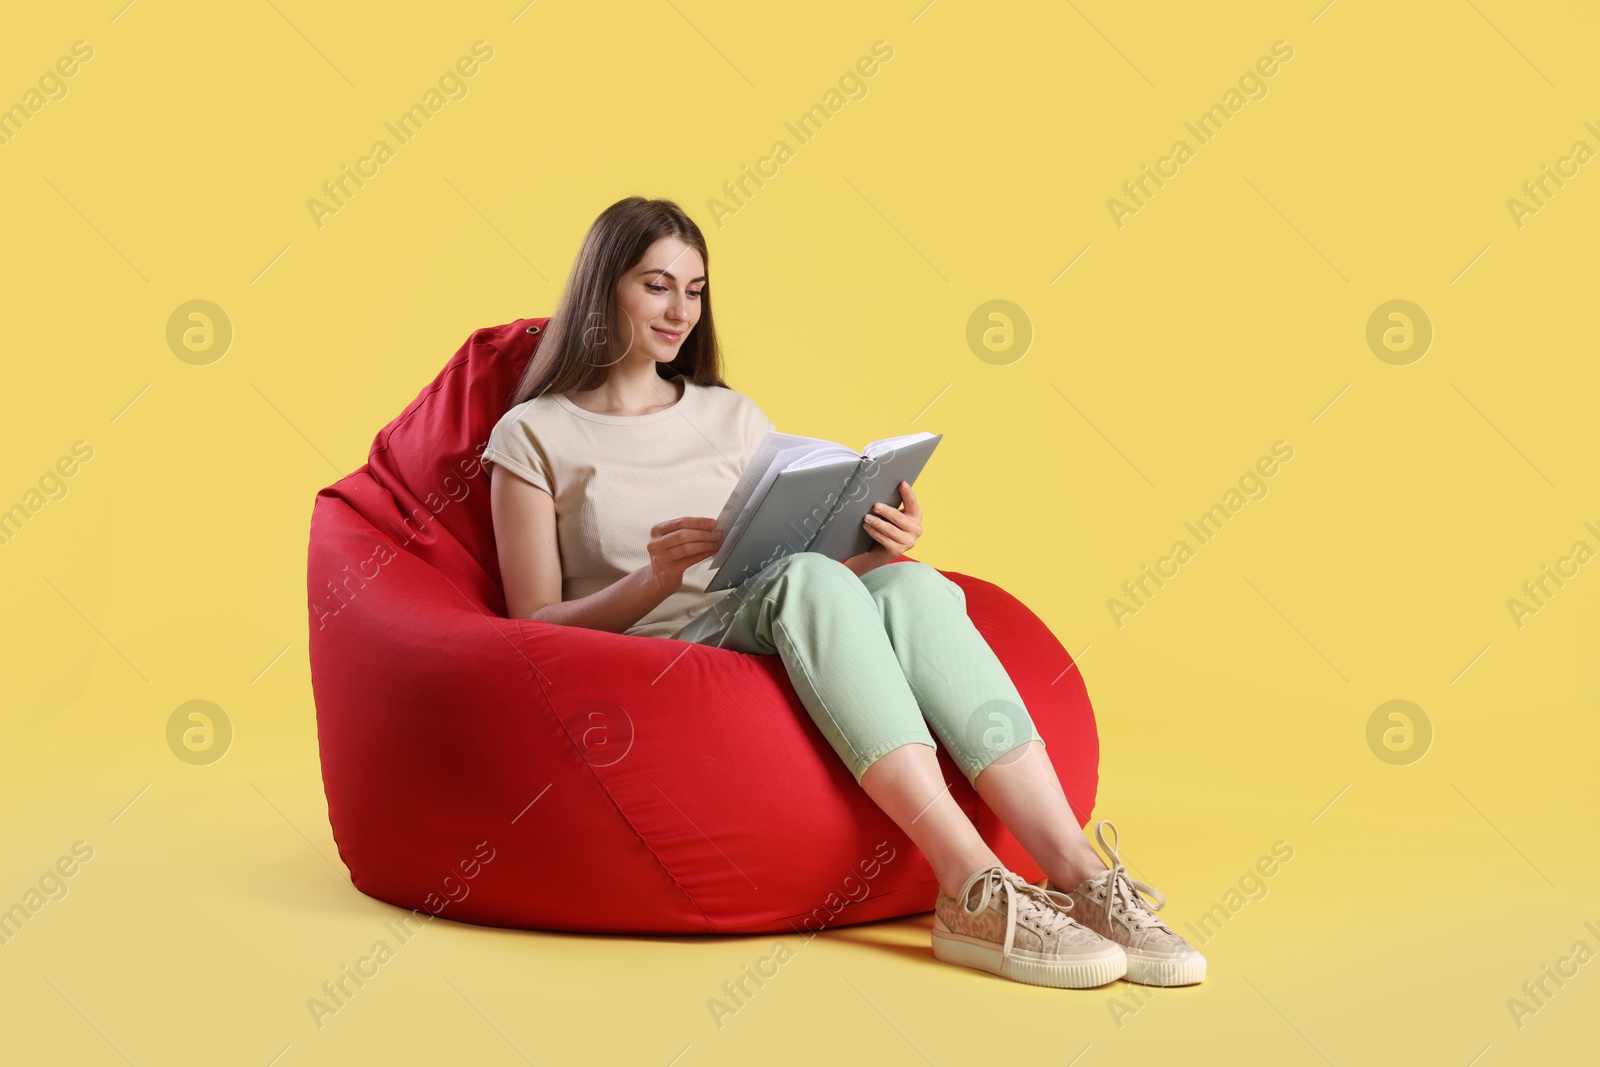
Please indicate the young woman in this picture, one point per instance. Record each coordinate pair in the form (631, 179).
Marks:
(622, 441)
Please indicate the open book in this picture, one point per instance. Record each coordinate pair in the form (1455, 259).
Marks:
(804, 494)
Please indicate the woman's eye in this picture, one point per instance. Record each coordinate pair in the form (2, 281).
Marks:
(661, 289)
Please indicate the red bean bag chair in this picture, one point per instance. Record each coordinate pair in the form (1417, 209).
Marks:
(528, 774)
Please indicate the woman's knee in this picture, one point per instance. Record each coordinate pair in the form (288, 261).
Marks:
(815, 567)
(810, 575)
(998, 731)
(812, 561)
(913, 578)
(1005, 756)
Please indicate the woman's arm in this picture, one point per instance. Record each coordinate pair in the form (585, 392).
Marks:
(530, 562)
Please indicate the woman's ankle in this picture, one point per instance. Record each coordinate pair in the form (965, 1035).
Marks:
(1072, 866)
(954, 876)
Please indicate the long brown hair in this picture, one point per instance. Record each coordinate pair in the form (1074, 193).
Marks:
(576, 353)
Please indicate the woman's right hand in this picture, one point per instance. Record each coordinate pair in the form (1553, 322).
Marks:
(678, 544)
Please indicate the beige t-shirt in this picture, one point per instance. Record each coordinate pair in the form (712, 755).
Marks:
(613, 477)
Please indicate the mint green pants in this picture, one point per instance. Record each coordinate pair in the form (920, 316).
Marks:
(876, 659)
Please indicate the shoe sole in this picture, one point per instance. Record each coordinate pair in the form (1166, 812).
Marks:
(1154, 970)
(1160, 971)
(1077, 972)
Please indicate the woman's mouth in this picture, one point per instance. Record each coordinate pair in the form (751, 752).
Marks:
(667, 335)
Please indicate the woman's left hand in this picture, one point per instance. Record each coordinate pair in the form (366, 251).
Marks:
(895, 529)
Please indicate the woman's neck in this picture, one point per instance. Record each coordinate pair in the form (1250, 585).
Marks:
(631, 392)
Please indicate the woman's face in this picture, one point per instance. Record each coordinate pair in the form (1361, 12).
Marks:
(659, 299)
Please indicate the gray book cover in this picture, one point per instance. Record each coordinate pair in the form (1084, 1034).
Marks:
(802, 494)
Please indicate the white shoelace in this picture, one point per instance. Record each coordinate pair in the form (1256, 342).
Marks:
(1122, 891)
(1044, 902)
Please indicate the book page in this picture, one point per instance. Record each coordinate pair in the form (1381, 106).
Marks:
(891, 444)
(820, 457)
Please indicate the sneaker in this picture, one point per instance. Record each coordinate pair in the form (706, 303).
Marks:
(1110, 904)
(1005, 926)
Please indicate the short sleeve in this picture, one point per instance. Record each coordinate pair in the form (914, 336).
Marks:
(513, 445)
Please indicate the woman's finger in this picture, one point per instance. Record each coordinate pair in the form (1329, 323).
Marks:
(892, 536)
(888, 515)
(881, 532)
(910, 499)
(903, 526)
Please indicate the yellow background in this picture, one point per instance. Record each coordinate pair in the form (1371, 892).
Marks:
(1229, 313)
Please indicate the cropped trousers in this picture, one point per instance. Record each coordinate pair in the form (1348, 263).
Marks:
(877, 659)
